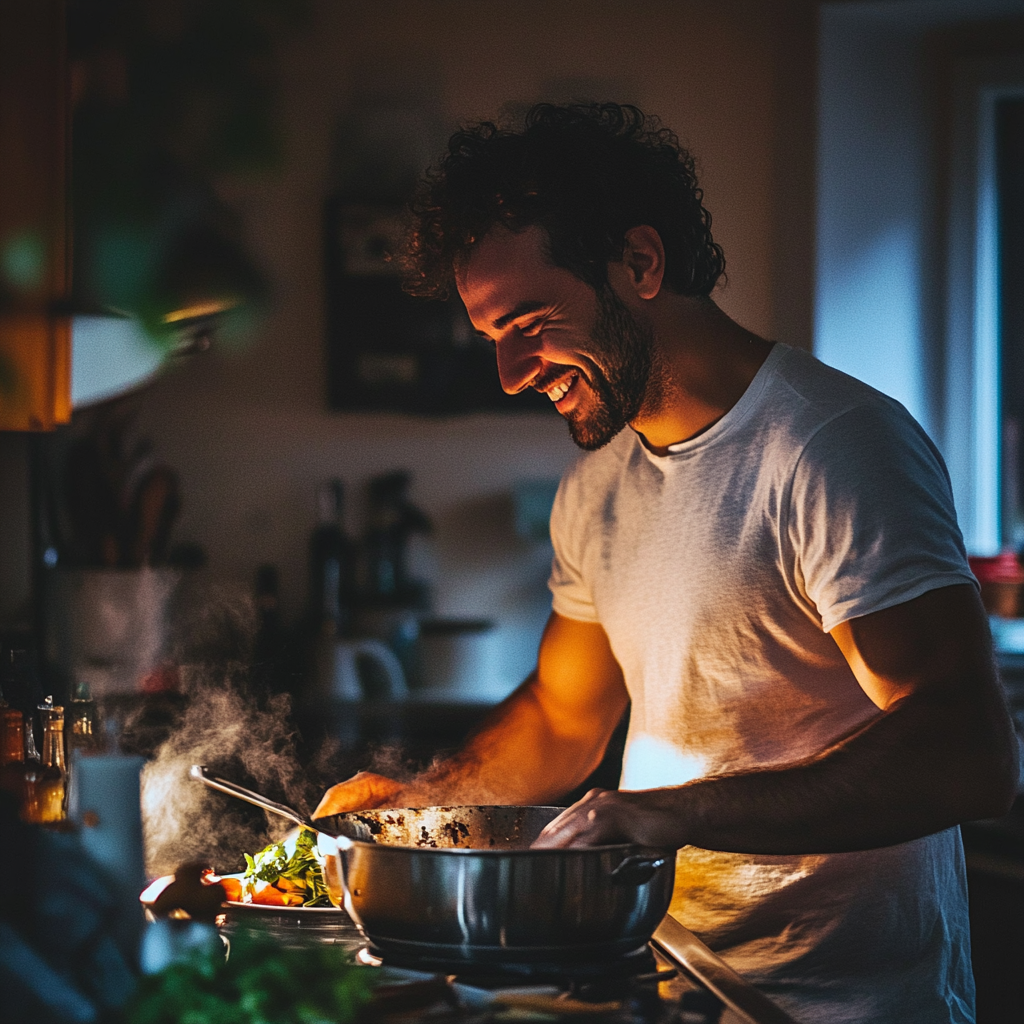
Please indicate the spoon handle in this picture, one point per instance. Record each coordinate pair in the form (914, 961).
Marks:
(201, 774)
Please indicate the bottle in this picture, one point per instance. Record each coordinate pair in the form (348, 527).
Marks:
(392, 519)
(12, 753)
(82, 722)
(3, 723)
(330, 564)
(20, 766)
(8, 677)
(21, 688)
(18, 679)
(46, 782)
(83, 735)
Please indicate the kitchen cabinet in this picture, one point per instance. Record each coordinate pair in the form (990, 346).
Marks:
(35, 342)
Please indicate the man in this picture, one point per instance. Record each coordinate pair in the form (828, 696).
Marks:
(766, 564)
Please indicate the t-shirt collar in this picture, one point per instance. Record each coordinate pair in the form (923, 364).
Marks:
(736, 415)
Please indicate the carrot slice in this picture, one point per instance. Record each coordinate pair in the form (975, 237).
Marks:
(232, 888)
(269, 896)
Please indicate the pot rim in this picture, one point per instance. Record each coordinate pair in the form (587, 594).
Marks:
(630, 849)
(633, 848)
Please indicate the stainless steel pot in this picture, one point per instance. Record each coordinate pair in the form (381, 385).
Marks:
(462, 884)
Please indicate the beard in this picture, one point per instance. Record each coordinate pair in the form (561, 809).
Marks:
(625, 383)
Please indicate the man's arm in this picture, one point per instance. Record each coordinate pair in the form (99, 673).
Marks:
(941, 751)
(541, 742)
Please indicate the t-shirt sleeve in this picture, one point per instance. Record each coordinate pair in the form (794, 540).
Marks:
(871, 519)
(570, 595)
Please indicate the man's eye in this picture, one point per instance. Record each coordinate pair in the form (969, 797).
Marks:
(532, 329)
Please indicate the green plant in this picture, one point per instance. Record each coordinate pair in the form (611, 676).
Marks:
(169, 94)
(259, 982)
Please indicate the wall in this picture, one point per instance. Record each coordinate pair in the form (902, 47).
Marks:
(248, 430)
(885, 105)
(15, 531)
(873, 204)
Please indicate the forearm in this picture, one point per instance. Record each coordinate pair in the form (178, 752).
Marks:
(523, 753)
(914, 770)
(942, 751)
(541, 742)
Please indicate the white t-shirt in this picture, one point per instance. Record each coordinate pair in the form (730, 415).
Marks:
(717, 572)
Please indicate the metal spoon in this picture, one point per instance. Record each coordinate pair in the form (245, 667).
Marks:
(201, 773)
(348, 829)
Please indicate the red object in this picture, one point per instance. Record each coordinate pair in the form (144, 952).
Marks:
(164, 679)
(1004, 568)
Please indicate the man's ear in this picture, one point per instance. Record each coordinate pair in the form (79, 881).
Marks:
(643, 257)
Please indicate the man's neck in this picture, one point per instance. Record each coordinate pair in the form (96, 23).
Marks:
(705, 361)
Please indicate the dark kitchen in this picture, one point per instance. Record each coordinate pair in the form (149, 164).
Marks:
(420, 595)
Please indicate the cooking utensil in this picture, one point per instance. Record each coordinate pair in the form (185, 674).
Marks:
(745, 1001)
(202, 774)
(461, 884)
(151, 509)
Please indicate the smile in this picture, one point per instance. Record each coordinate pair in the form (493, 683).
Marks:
(558, 391)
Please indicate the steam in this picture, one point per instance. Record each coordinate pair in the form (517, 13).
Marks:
(391, 759)
(184, 820)
(237, 731)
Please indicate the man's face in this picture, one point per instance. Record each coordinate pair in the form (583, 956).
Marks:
(586, 351)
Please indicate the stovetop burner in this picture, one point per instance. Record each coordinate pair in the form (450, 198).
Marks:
(643, 986)
(634, 964)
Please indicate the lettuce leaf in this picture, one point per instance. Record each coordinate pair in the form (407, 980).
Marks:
(301, 865)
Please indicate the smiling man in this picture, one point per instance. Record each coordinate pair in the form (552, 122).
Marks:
(758, 554)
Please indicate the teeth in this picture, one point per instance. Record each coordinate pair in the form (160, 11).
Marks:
(557, 393)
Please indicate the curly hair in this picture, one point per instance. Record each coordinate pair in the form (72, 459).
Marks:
(585, 173)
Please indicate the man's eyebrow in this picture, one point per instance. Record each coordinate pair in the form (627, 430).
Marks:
(524, 307)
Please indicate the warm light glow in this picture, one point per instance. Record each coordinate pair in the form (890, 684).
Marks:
(650, 763)
(193, 312)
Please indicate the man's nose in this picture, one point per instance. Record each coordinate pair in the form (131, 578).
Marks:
(518, 361)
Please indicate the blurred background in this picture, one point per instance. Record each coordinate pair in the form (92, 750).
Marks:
(226, 434)
(828, 139)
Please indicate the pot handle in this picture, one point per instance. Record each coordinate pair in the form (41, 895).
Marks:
(637, 870)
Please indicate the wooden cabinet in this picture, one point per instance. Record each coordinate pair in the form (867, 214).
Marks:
(35, 342)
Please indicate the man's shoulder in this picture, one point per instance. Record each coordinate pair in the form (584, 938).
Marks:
(845, 434)
(820, 389)
(806, 395)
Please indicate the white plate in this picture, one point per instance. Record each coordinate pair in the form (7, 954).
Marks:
(273, 909)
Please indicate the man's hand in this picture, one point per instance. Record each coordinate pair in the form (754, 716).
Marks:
(602, 816)
(362, 792)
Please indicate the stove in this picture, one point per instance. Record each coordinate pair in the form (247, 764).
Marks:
(644, 986)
